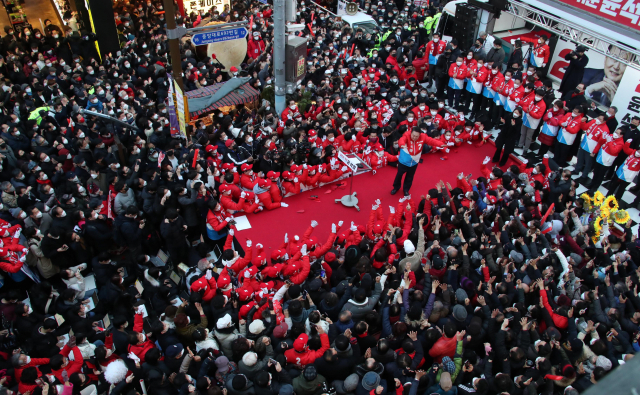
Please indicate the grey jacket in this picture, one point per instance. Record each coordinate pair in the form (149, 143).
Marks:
(45, 223)
(359, 310)
(496, 56)
(124, 201)
(252, 371)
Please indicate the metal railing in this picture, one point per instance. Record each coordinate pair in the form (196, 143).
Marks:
(596, 42)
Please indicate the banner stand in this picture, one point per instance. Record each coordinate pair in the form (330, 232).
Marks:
(355, 164)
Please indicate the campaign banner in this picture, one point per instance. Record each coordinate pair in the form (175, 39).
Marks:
(173, 117)
(623, 12)
(180, 111)
(627, 100)
(204, 5)
(602, 76)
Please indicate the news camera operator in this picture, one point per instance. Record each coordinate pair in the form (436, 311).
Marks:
(575, 71)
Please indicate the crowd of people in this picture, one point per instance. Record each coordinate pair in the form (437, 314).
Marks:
(499, 284)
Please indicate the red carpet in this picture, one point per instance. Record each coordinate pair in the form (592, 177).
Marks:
(269, 227)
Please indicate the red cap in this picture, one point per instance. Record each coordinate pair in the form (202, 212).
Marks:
(210, 148)
(264, 183)
(225, 188)
(285, 174)
(492, 199)
(277, 254)
(330, 257)
(360, 110)
(273, 174)
(223, 280)
(246, 166)
(312, 133)
(233, 69)
(377, 229)
(369, 104)
(227, 166)
(244, 310)
(301, 342)
(245, 294)
(228, 143)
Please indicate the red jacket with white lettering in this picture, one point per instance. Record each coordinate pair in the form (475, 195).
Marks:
(572, 123)
(435, 48)
(496, 81)
(536, 109)
(415, 147)
(459, 72)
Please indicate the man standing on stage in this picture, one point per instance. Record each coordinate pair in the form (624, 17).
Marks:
(411, 145)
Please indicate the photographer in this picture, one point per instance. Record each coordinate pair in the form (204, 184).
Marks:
(235, 155)
(575, 71)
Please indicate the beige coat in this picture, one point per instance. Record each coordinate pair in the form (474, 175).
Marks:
(36, 258)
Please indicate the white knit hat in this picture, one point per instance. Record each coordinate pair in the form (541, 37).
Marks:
(409, 248)
(256, 327)
(224, 322)
(250, 359)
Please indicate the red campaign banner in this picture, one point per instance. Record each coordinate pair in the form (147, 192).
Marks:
(624, 12)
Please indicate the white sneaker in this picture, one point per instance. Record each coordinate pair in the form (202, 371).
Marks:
(283, 204)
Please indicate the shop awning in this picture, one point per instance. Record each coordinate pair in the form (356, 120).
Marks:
(209, 98)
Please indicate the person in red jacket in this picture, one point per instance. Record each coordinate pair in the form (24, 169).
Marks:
(560, 321)
(255, 47)
(300, 355)
(218, 218)
(411, 145)
(457, 74)
(62, 363)
(262, 193)
(12, 257)
(139, 343)
(550, 127)
(605, 158)
(531, 118)
(570, 125)
(626, 172)
(433, 50)
(23, 361)
(446, 345)
(290, 183)
(540, 54)
(476, 78)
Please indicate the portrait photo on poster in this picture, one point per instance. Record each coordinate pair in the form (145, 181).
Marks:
(601, 76)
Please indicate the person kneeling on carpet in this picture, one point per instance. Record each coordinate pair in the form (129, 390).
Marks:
(261, 189)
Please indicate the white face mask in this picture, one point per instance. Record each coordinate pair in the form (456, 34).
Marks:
(469, 57)
(459, 63)
(494, 71)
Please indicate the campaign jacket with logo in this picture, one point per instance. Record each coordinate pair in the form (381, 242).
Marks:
(567, 134)
(593, 136)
